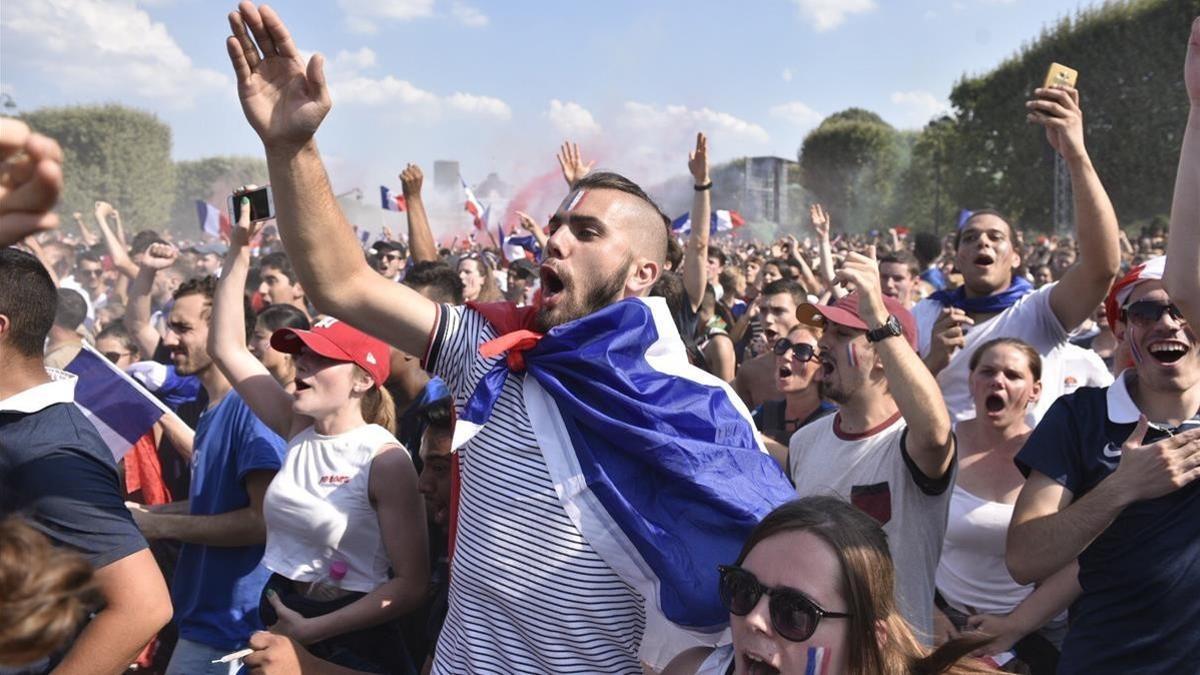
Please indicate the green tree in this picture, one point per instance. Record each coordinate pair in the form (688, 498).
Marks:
(113, 153)
(850, 162)
(211, 179)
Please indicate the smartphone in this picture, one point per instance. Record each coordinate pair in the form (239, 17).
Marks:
(262, 204)
(1060, 75)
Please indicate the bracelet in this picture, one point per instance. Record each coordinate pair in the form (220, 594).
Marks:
(702, 188)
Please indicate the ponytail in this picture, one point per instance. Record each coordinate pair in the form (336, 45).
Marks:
(379, 408)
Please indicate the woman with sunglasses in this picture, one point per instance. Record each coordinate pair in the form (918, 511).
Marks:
(813, 592)
(975, 590)
(346, 534)
(796, 366)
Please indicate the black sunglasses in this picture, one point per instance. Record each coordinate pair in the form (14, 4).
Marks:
(1147, 312)
(115, 356)
(90, 273)
(793, 615)
(802, 351)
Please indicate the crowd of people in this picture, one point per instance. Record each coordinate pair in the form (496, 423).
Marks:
(625, 451)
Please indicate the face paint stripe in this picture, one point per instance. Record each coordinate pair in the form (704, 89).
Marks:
(576, 200)
(851, 355)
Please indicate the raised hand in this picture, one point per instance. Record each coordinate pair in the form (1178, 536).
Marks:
(571, 163)
(243, 231)
(411, 179)
(820, 220)
(30, 181)
(161, 256)
(698, 160)
(527, 222)
(1057, 109)
(103, 210)
(861, 272)
(946, 338)
(283, 100)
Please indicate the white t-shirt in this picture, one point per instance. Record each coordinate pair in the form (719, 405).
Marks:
(972, 575)
(1030, 319)
(318, 510)
(528, 593)
(872, 471)
(1083, 368)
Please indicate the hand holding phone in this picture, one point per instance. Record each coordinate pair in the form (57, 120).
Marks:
(262, 203)
(1060, 75)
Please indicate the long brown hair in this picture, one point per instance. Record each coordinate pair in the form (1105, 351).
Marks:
(868, 583)
(378, 407)
(45, 593)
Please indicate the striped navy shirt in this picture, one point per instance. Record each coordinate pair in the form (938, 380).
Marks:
(527, 593)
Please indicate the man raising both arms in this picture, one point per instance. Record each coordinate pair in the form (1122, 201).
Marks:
(548, 574)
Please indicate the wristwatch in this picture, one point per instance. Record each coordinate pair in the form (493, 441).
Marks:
(891, 328)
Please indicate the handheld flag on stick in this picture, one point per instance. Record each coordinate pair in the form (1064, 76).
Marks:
(391, 201)
(720, 221)
(472, 205)
(213, 221)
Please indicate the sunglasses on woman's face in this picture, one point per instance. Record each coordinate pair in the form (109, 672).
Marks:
(801, 351)
(793, 616)
(1148, 312)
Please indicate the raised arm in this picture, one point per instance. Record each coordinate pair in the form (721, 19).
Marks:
(929, 442)
(285, 101)
(532, 227)
(1049, 530)
(31, 182)
(572, 164)
(420, 237)
(116, 248)
(1182, 277)
(137, 310)
(695, 255)
(1084, 286)
(227, 336)
(820, 222)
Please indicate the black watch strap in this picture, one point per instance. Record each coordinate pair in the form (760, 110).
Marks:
(702, 188)
(891, 328)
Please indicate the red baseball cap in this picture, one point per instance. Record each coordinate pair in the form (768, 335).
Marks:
(844, 312)
(336, 340)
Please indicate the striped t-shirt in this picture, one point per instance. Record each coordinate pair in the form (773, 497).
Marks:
(527, 593)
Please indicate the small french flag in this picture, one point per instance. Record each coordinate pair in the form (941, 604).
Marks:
(473, 206)
(122, 412)
(391, 201)
(720, 221)
(818, 661)
(213, 221)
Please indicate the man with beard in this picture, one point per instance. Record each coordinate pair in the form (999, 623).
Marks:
(889, 449)
(755, 380)
(548, 574)
(995, 300)
(218, 580)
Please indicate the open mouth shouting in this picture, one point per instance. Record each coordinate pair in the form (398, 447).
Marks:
(1167, 352)
(552, 283)
(984, 260)
(753, 664)
(994, 404)
(301, 385)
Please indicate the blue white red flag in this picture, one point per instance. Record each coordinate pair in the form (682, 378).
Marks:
(721, 220)
(657, 462)
(213, 221)
(391, 201)
(120, 409)
(515, 247)
(473, 206)
(963, 216)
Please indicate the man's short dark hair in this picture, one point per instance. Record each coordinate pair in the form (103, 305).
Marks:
(118, 331)
(280, 315)
(207, 287)
(28, 298)
(280, 261)
(142, 241)
(608, 180)
(717, 253)
(1012, 231)
(674, 251)
(89, 256)
(927, 247)
(903, 258)
(438, 280)
(72, 309)
(792, 288)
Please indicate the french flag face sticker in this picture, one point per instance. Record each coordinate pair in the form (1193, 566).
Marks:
(818, 661)
(573, 200)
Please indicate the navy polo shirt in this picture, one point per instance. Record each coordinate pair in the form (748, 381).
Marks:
(1140, 607)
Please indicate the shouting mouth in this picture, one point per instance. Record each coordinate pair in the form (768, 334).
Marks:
(552, 283)
(994, 403)
(1168, 352)
(756, 665)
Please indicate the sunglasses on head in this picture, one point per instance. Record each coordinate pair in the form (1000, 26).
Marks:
(1148, 312)
(801, 351)
(793, 615)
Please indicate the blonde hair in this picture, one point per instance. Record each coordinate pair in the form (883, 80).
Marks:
(378, 407)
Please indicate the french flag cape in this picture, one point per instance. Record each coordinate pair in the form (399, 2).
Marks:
(720, 221)
(122, 412)
(656, 462)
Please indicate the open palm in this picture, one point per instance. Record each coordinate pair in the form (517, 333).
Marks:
(1191, 69)
(283, 100)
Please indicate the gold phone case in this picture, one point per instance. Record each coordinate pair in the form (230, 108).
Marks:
(1060, 75)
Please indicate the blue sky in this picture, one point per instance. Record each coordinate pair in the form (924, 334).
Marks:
(497, 85)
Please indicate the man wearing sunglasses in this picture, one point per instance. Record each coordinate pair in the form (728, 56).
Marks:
(889, 449)
(1111, 482)
(392, 258)
(88, 280)
(796, 366)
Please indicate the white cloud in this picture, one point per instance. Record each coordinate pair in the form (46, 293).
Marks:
(916, 108)
(796, 113)
(571, 119)
(351, 86)
(642, 116)
(105, 47)
(787, 75)
(829, 14)
(468, 16)
(363, 16)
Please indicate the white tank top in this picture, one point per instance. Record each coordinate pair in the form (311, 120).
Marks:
(971, 574)
(318, 509)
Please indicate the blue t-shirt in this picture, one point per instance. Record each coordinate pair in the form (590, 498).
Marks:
(216, 589)
(1140, 607)
(934, 277)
